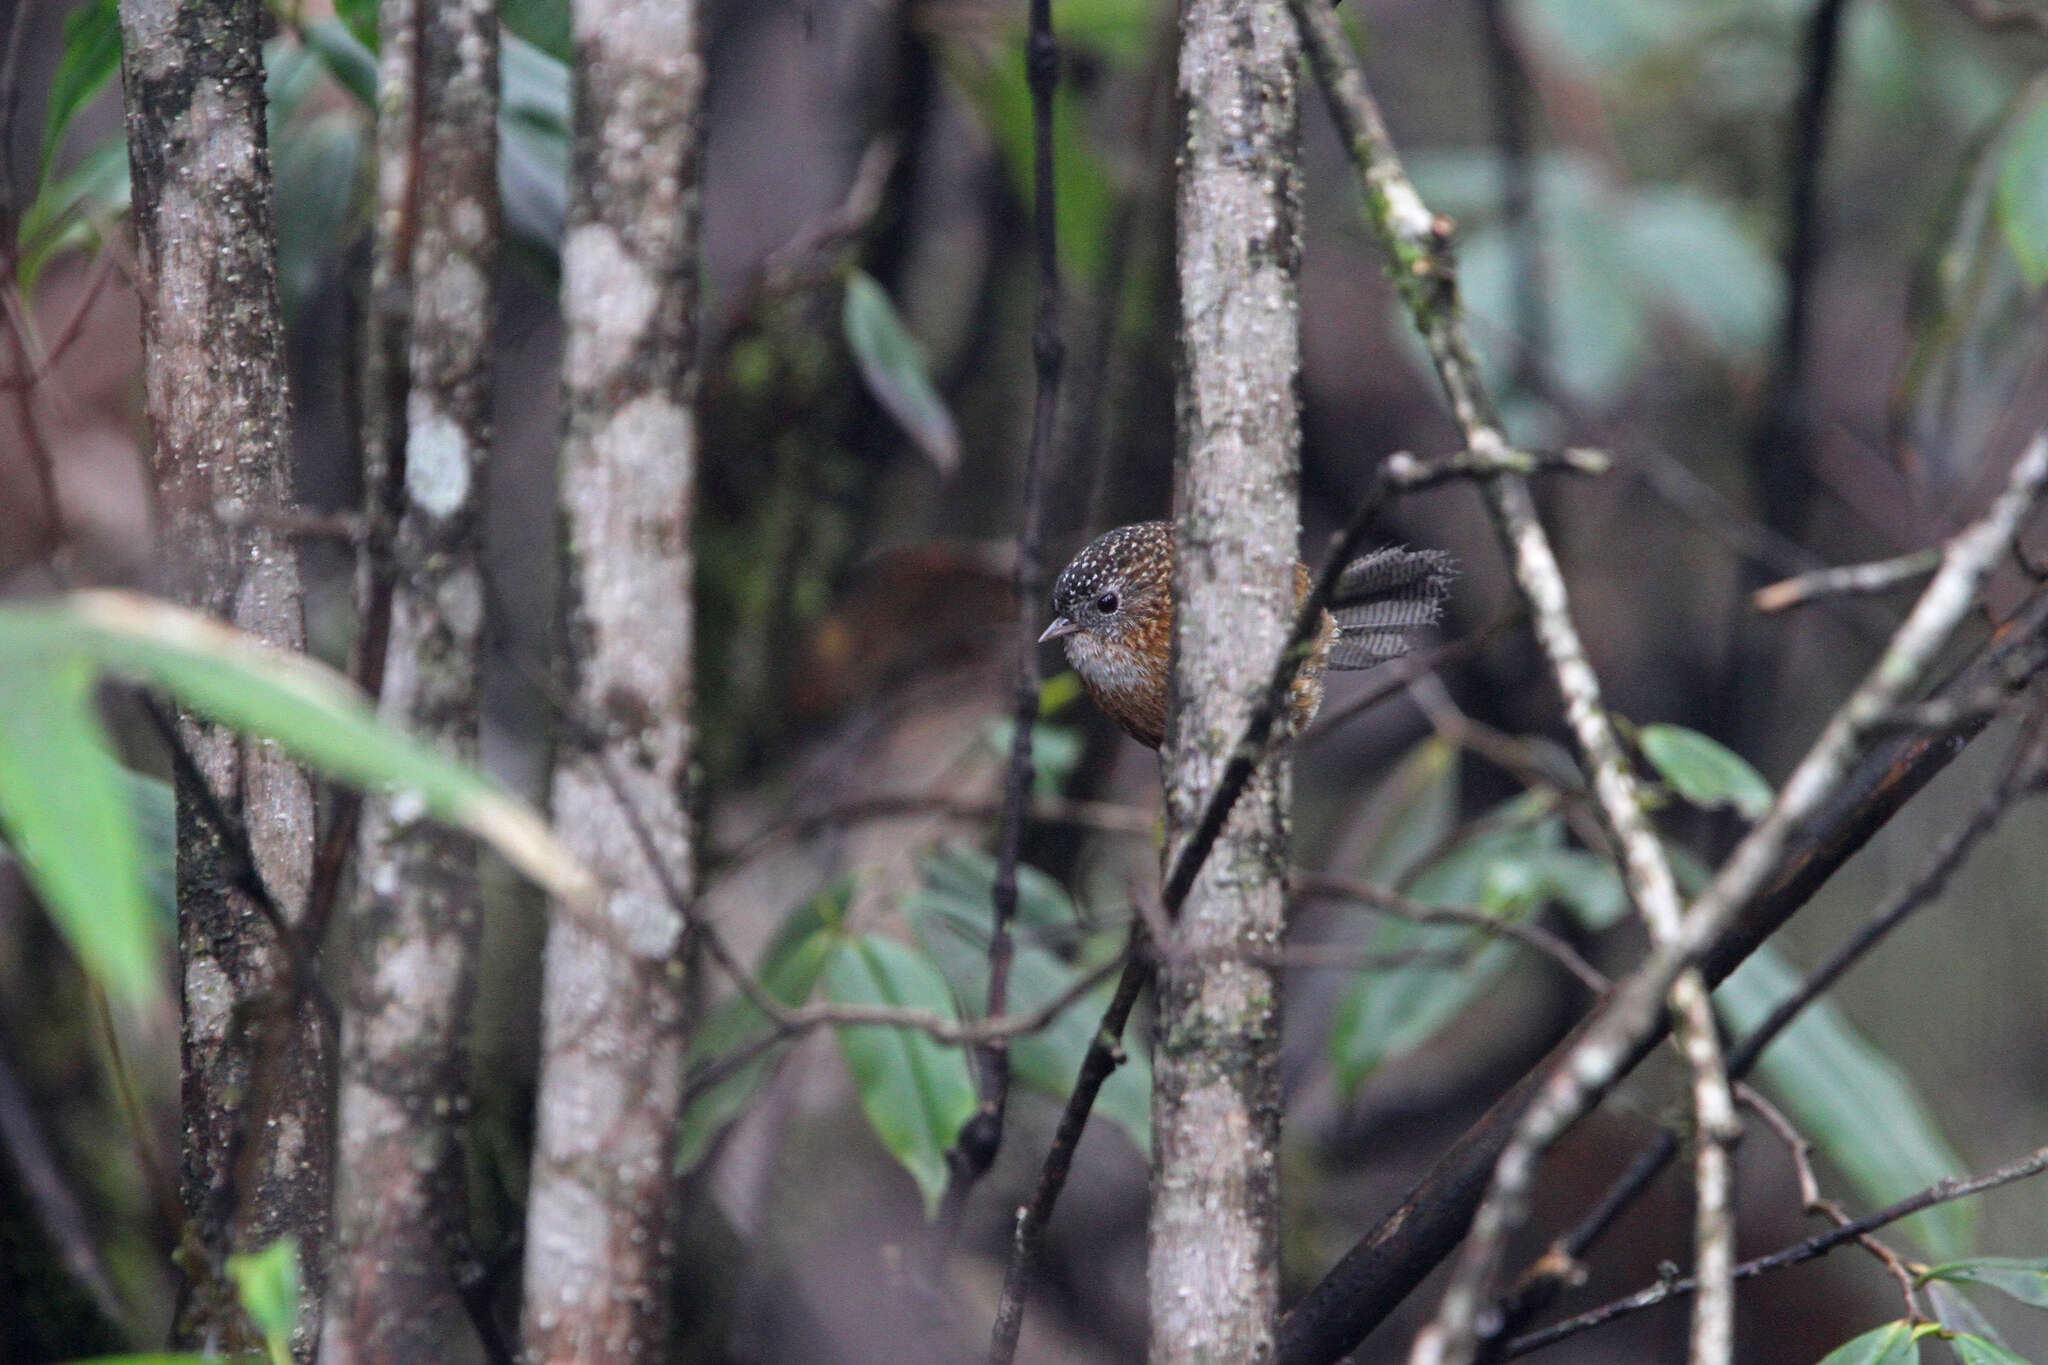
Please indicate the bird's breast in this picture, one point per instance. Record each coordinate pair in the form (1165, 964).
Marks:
(1128, 684)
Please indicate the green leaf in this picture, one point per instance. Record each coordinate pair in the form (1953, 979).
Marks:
(915, 1092)
(1852, 1100)
(2026, 1280)
(957, 879)
(1955, 1312)
(158, 1358)
(268, 1282)
(1116, 29)
(361, 18)
(789, 971)
(951, 911)
(68, 213)
(317, 184)
(309, 710)
(1055, 752)
(893, 365)
(1586, 885)
(92, 54)
(543, 24)
(1082, 183)
(1971, 1349)
(2023, 194)
(347, 57)
(1895, 1343)
(1694, 253)
(1415, 808)
(1388, 1012)
(1704, 771)
(65, 811)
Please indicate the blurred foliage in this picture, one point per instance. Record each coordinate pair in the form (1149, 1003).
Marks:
(70, 811)
(1853, 1103)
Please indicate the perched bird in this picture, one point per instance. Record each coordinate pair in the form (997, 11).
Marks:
(1113, 607)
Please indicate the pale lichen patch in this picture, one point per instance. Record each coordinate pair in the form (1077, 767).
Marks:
(607, 299)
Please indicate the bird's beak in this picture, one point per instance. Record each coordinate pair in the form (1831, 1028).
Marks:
(1060, 626)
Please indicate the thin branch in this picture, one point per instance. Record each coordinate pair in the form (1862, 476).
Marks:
(1391, 1259)
(1558, 1266)
(1941, 1192)
(981, 1137)
(1105, 1054)
(1847, 579)
(1416, 246)
(1532, 936)
(1800, 1148)
(1611, 1041)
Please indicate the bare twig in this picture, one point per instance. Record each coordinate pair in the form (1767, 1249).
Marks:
(1800, 1148)
(1104, 1055)
(1416, 246)
(974, 1148)
(1532, 936)
(1539, 1285)
(1849, 578)
(1609, 1043)
(1941, 1192)
(1377, 1273)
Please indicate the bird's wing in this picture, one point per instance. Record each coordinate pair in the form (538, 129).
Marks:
(1383, 595)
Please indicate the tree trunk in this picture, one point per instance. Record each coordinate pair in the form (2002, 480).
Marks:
(401, 1255)
(255, 1161)
(613, 1011)
(1216, 1100)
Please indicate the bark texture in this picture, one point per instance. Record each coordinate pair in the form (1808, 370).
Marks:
(400, 1254)
(603, 1196)
(1216, 1102)
(256, 1140)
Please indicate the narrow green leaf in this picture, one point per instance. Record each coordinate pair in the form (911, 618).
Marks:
(92, 54)
(268, 1283)
(2024, 1279)
(916, 1093)
(1704, 771)
(1414, 808)
(309, 710)
(893, 365)
(1971, 1349)
(2023, 194)
(1895, 1343)
(1853, 1101)
(65, 811)
(67, 213)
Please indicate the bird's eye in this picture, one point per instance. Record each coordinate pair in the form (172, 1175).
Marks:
(1106, 604)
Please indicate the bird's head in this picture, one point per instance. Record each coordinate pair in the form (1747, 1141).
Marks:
(1117, 593)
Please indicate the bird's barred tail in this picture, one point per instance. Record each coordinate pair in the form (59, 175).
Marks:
(1383, 596)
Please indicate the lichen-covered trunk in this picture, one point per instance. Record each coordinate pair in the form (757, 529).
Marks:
(603, 1193)
(255, 1151)
(1214, 1245)
(400, 1254)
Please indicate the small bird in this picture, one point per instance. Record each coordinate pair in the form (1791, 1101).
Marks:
(1113, 606)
